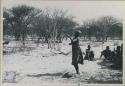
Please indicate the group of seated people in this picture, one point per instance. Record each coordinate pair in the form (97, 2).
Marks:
(114, 56)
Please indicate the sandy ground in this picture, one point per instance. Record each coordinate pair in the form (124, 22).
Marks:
(40, 66)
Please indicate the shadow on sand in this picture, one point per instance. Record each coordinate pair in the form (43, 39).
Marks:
(46, 74)
(105, 64)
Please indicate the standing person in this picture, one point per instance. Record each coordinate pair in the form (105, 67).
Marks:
(76, 52)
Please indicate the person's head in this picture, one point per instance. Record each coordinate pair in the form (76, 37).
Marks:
(77, 33)
(89, 46)
(107, 47)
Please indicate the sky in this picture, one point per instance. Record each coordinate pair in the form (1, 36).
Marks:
(82, 10)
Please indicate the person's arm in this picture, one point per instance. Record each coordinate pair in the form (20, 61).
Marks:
(70, 43)
(69, 38)
(101, 55)
(72, 40)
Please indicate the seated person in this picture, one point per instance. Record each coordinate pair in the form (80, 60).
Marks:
(106, 53)
(91, 56)
(87, 56)
(118, 57)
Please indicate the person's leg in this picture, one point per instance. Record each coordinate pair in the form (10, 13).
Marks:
(76, 68)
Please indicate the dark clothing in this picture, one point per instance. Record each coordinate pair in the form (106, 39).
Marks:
(76, 52)
(87, 54)
(80, 57)
(91, 56)
(107, 54)
(112, 56)
(118, 58)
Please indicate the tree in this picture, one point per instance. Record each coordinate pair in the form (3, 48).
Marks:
(90, 28)
(102, 28)
(20, 20)
(7, 29)
(21, 16)
(116, 30)
(51, 25)
(105, 24)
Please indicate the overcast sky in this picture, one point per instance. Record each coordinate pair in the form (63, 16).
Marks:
(83, 10)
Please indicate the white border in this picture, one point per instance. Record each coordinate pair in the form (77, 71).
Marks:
(64, 84)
